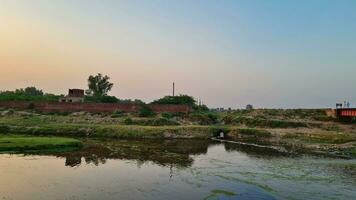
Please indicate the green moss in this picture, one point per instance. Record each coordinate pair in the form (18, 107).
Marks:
(329, 138)
(218, 192)
(16, 143)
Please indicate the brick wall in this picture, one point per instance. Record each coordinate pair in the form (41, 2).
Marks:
(91, 107)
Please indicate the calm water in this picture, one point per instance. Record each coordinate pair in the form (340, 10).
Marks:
(174, 170)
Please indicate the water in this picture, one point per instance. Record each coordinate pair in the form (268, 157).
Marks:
(174, 170)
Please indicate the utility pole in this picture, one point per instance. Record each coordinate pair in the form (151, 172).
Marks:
(173, 88)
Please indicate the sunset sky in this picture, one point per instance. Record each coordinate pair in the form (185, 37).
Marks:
(270, 53)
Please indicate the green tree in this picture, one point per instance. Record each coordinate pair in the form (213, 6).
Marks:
(29, 91)
(99, 85)
(181, 99)
(27, 94)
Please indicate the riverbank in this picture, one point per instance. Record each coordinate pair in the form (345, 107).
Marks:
(293, 133)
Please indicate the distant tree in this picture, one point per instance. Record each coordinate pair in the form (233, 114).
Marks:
(130, 101)
(29, 91)
(32, 91)
(27, 94)
(200, 107)
(181, 99)
(249, 107)
(99, 85)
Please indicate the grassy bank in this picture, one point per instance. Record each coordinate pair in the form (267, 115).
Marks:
(129, 131)
(23, 143)
(295, 129)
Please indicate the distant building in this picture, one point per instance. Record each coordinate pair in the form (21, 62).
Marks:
(74, 95)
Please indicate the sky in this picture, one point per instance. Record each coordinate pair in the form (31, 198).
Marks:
(228, 53)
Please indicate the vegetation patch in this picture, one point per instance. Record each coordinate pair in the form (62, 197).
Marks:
(204, 118)
(151, 122)
(261, 122)
(254, 132)
(16, 143)
(330, 138)
(215, 194)
(145, 111)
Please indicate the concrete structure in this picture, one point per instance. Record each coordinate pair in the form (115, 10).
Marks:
(74, 96)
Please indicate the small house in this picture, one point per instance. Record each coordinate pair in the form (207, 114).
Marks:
(74, 95)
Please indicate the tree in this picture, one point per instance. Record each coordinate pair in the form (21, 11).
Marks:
(27, 94)
(29, 91)
(249, 107)
(181, 99)
(99, 85)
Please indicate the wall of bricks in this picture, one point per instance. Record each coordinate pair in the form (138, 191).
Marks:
(90, 107)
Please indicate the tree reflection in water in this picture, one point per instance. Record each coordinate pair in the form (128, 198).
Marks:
(175, 153)
(170, 153)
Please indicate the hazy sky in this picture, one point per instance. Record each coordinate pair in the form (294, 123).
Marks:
(299, 53)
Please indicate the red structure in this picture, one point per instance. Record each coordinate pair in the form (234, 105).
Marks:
(345, 112)
(91, 107)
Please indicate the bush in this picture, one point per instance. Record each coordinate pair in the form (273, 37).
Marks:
(4, 129)
(128, 121)
(117, 114)
(101, 99)
(167, 115)
(145, 111)
(204, 118)
(202, 108)
(31, 106)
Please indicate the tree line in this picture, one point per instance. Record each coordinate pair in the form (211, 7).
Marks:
(98, 87)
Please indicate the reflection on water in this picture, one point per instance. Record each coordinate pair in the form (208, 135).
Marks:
(174, 169)
(165, 152)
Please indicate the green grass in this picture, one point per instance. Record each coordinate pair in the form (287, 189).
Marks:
(114, 131)
(254, 132)
(215, 194)
(22, 143)
(328, 138)
(260, 122)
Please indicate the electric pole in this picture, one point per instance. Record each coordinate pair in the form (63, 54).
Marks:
(173, 88)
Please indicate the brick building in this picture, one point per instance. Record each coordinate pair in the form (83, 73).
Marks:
(74, 96)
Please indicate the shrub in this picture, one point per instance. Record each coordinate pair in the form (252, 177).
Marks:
(145, 111)
(31, 106)
(202, 108)
(4, 129)
(204, 118)
(101, 99)
(117, 114)
(167, 115)
(128, 121)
